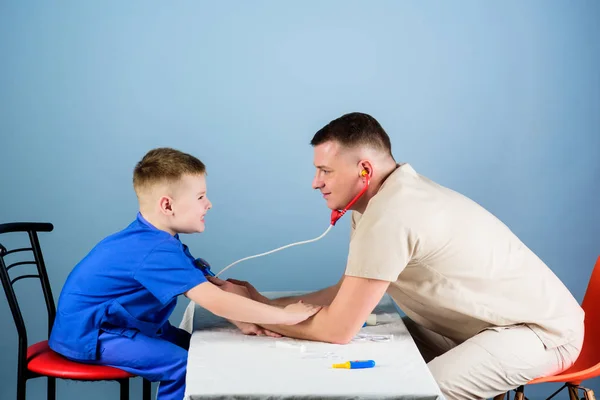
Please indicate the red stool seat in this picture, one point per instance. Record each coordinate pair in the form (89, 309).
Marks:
(41, 359)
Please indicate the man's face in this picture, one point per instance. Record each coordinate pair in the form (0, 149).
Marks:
(190, 204)
(337, 175)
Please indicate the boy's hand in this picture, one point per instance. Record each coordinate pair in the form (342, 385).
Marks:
(300, 311)
(245, 327)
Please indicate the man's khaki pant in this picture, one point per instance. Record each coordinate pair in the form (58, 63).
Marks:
(490, 363)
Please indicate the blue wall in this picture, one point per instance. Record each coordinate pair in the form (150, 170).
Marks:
(498, 100)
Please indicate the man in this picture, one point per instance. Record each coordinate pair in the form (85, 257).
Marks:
(486, 313)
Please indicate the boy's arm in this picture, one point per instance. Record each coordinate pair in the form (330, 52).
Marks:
(238, 308)
(322, 297)
(246, 328)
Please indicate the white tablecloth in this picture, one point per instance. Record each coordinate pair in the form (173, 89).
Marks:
(225, 364)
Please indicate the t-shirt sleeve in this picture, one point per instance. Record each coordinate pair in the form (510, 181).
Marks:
(168, 272)
(380, 248)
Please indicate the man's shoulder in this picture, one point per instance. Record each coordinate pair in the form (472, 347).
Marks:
(414, 200)
(398, 196)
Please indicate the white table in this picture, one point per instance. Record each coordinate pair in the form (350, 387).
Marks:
(225, 364)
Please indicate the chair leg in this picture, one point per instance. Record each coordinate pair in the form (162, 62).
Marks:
(124, 386)
(520, 393)
(51, 388)
(589, 394)
(21, 387)
(146, 389)
(573, 392)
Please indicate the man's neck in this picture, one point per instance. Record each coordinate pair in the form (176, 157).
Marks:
(374, 187)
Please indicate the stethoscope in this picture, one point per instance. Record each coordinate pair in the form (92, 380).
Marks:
(204, 266)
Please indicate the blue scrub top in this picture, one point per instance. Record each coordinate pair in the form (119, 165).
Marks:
(127, 284)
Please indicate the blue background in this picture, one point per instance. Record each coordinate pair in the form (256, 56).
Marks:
(497, 100)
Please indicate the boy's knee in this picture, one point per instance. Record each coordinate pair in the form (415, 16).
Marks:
(173, 367)
(180, 366)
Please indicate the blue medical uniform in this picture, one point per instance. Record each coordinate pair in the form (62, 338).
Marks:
(115, 305)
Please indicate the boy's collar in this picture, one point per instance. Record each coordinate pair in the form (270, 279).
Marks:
(145, 222)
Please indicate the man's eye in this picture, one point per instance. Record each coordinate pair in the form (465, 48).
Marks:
(325, 172)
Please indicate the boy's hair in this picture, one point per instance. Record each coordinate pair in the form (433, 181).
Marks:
(164, 165)
(354, 130)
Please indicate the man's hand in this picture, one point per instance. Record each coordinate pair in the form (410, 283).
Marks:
(254, 294)
(230, 287)
(250, 290)
(245, 327)
(254, 330)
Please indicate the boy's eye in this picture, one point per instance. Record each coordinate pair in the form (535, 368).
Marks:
(200, 198)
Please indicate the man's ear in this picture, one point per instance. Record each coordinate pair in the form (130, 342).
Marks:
(367, 166)
(165, 204)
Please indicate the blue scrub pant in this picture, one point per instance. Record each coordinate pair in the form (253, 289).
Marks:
(162, 358)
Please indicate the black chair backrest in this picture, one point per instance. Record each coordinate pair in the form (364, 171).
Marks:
(9, 276)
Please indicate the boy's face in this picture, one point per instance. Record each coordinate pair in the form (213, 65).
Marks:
(190, 204)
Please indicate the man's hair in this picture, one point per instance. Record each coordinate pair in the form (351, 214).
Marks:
(164, 165)
(354, 130)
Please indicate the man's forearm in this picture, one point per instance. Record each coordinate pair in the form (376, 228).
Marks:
(300, 331)
(319, 328)
(323, 297)
(342, 319)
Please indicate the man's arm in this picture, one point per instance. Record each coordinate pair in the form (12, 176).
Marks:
(323, 297)
(340, 322)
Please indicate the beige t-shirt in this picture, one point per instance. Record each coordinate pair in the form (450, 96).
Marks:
(454, 267)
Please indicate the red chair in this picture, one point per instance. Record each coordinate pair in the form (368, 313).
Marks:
(587, 365)
(38, 360)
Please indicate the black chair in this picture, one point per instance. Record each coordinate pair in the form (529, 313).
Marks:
(38, 360)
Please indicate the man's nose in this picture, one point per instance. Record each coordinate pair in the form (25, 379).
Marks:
(317, 183)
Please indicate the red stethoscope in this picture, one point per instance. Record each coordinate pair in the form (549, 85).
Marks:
(335, 216)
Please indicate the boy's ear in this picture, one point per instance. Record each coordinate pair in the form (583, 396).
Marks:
(165, 204)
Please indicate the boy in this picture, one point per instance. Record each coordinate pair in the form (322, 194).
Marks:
(114, 307)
